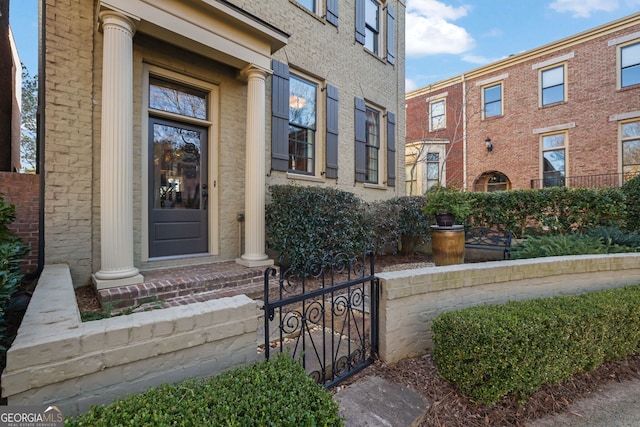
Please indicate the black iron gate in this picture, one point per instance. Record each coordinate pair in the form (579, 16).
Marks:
(324, 315)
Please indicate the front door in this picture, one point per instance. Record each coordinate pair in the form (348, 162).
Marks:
(178, 188)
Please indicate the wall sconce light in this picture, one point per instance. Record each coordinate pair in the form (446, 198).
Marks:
(489, 144)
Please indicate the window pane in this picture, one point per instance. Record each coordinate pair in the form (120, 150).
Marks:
(629, 130)
(308, 4)
(371, 14)
(302, 102)
(630, 76)
(437, 115)
(372, 144)
(554, 167)
(177, 99)
(301, 149)
(553, 141)
(553, 77)
(552, 95)
(493, 109)
(630, 55)
(492, 93)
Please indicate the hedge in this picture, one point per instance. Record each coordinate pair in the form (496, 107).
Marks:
(516, 348)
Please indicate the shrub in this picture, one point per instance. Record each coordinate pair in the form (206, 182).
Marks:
(12, 250)
(277, 392)
(516, 348)
(631, 191)
(616, 239)
(306, 222)
(559, 245)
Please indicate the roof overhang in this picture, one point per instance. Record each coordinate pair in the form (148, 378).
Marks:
(215, 29)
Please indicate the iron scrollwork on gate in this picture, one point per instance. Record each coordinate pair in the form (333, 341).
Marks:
(324, 315)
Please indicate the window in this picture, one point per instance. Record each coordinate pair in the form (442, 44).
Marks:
(630, 65)
(373, 145)
(552, 85)
(630, 149)
(553, 159)
(375, 142)
(177, 99)
(302, 125)
(433, 169)
(492, 100)
(437, 115)
(369, 27)
(308, 4)
(372, 26)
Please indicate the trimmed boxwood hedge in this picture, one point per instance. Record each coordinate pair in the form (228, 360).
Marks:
(277, 392)
(516, 348)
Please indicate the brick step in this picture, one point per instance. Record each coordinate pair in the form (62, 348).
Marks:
(174, 286)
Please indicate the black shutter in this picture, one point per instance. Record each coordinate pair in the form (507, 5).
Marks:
(391, 150)
(360, 139)
(391, 35)
(360, 23)
(280, 116)
(332, 12)
(332, 132)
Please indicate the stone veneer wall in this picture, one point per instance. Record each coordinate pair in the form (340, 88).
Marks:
(58, 359)
(411, 299)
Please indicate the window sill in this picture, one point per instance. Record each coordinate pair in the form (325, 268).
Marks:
(301, 177)
(375, 186)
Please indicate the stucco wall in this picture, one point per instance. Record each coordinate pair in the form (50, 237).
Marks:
(411, 299)
(57, 359)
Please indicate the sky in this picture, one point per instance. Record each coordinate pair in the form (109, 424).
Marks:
(444, 38)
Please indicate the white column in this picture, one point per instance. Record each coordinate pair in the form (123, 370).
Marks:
(116, 164)
(254, 187)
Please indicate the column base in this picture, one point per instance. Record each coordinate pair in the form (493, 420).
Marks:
(116, 283)
(254, 262)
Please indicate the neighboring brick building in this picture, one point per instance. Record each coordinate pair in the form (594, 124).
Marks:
(165, 121)
(567, 113)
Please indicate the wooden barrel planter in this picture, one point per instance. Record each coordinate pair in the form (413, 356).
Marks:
(447, 244)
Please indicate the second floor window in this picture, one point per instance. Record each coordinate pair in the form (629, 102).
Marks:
(553, 159)
(630, 65)
(372, 26)
(308, 4)
(492, 99)
(302, 125)
(437, 115)
(552, 85)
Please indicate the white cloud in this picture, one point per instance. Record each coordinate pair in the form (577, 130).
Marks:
(409, 85)
(477, 59)
(428, 29)
(583, 8)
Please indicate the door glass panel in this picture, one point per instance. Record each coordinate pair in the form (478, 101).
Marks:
(165, 96)
(176, 162)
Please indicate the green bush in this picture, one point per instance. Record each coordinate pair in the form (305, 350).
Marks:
(631, 191)
(303, 223)
(516, 348)
(396, 220)
(12, 250)
(556, 210)
(559, 245)
(270, 393)
(617, 239)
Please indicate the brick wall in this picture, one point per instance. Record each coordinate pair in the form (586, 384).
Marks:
(23, 191)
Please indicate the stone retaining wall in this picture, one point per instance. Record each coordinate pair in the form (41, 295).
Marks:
(411, 299)
(58, 359)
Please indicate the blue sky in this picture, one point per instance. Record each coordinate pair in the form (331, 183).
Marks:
(444, 38)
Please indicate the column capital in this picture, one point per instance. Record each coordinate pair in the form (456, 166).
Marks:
(118, 20)
(252, 71)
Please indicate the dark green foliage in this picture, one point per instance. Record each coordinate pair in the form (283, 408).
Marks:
(12, 250)
(556, 210)
(617, 239)
(448, 200)
(399, 219)
(270, 393)
(306, 222)
(631, 191)
(559, 245)
(516, 348)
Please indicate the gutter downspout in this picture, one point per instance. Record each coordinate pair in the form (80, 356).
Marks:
(464, 133)
(40, 120)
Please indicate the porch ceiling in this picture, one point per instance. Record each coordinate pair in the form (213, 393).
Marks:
(213, 28)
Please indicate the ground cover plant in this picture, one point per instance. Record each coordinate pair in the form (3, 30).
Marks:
(277, 392)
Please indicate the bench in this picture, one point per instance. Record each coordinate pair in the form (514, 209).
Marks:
(488, 239)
